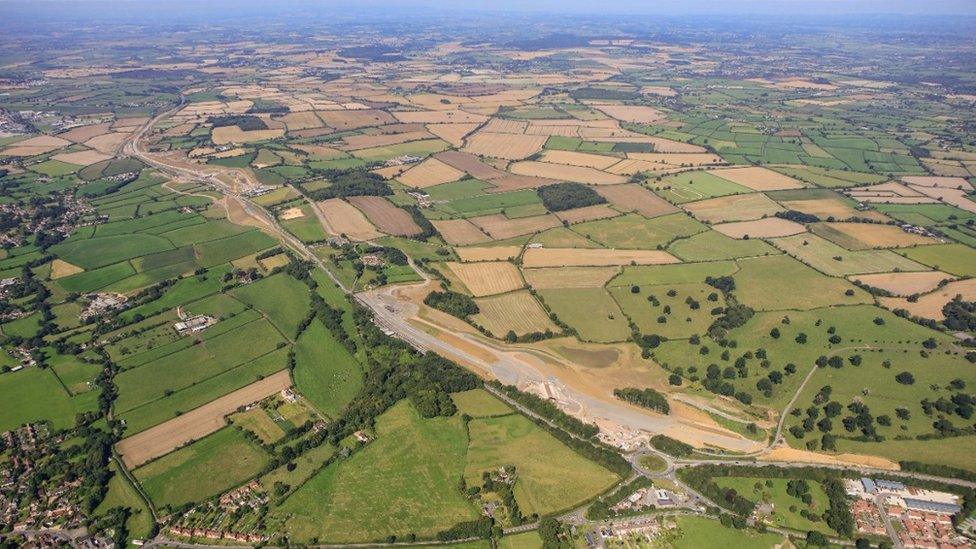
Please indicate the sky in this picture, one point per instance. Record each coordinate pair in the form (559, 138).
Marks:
(662, 7)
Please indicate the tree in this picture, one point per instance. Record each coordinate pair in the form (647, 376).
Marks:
(905, 378)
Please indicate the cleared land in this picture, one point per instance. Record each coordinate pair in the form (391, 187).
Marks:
(515, 311)
(385, 216)
(195, 424)
(487, 278)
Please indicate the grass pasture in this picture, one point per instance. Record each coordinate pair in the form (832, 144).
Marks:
(637, 232)
(781, 282)
(282, 298)
(591, 311)
(785, 507)
(325, 372)
(831, 259)
(551, 477)
(202, 469)
(405, 481)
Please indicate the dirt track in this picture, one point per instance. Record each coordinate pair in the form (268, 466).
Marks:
(197, 423)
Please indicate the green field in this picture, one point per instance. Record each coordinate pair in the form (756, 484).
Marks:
(282, 298)
(122, 494)
(551, 477)
(786, 508)
(781, 282)
(325, 372)
(696, 532)
(951, 258)
(99, 252)
(157, 411)
(682, 321)
(833, 260)
(405, 481)
(591, 311)
(181, 369)
(202, 469)
(480, 403)
(691, 186)
(642, 275)
(715, 246)
(637, 232)
(36, 395)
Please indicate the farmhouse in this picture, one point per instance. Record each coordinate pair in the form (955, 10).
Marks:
(194, 324)
(102, 302)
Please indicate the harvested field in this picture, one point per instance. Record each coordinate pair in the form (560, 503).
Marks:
(634, 198)
(499, 227)
(440, 117)
(863, 236)
(827, 207)
(428, 173)
(109, 143)
(741, 207)
(930, 305)
(905, 284)
(301, 120)
(758, 179)
(956, 197)
(197, 423)
(61, 268)
(573, 158)
(563, 172)
(342, 217)
(35, 145)
(82, 158)
(761, 228)
(490, 253)
(504, 145)
(357, 142)
(516, 311)
(631, 113)
(501, 125)
(597, 257)
(470, 164)
(452, 133)
(353, 119)
(487, 278)
(943, 182)
(460, 232)
(233, 134)
(588, 213)
(84, 133)
(678, 159)
(552, 278)
(386, 216)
